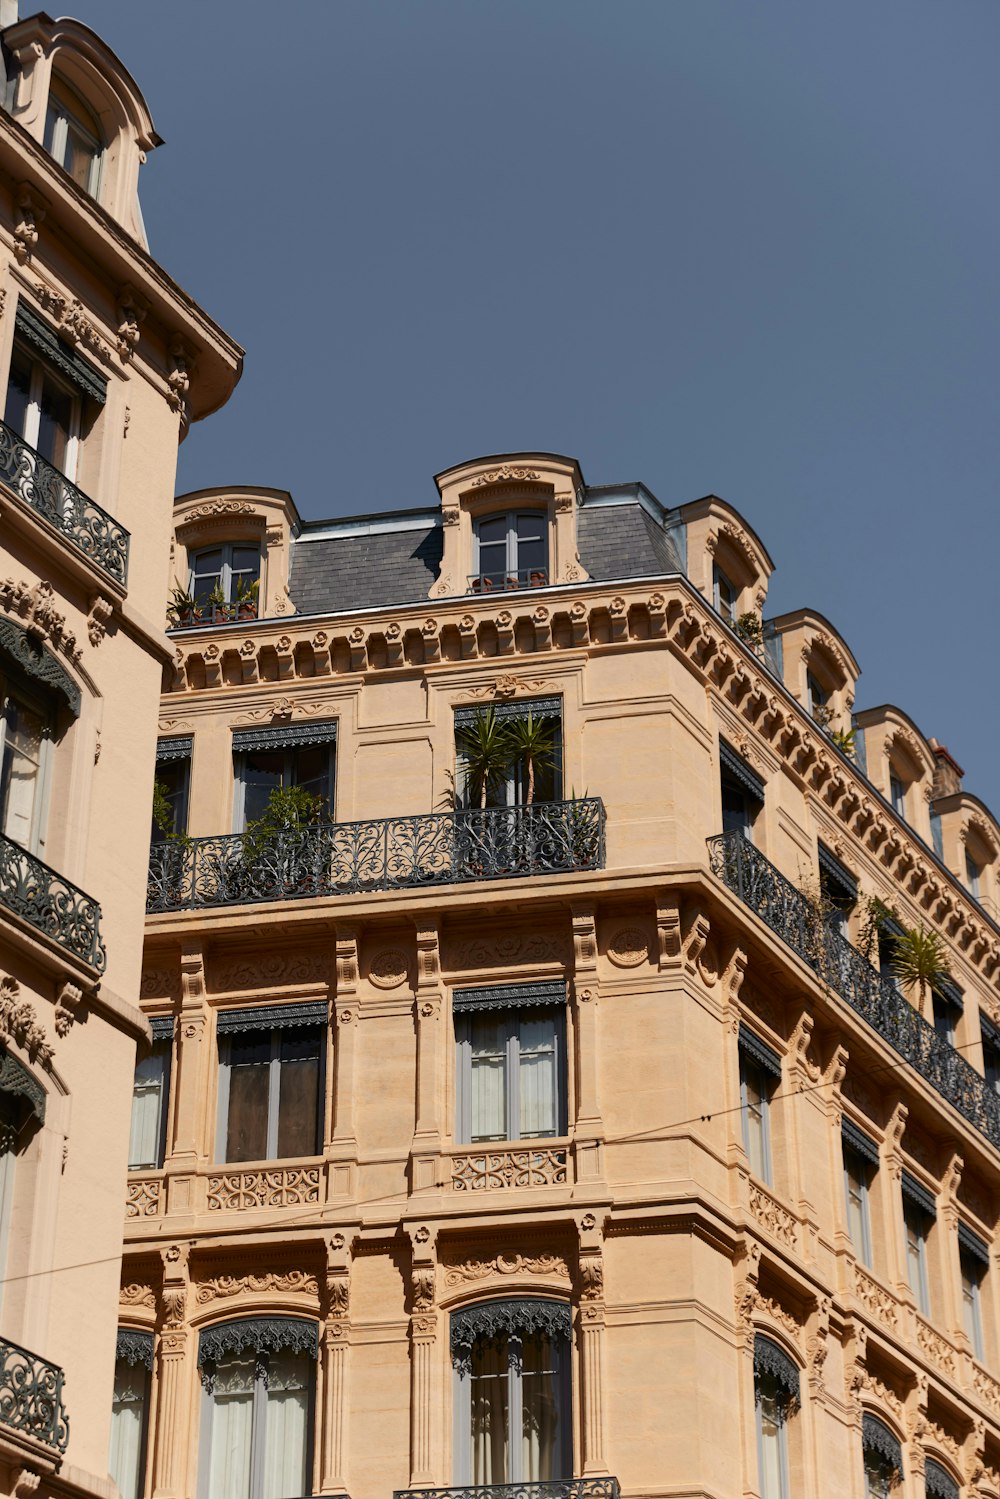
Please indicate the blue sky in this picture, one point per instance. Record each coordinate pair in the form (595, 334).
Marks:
(748, 248)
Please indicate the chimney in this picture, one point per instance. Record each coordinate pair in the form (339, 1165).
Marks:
(947, 772)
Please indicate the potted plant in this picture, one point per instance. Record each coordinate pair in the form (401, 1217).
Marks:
(246, 598)
(750, 630)
(484, 745)
(920, 962)
(183, 607)
(278, 852)
(845, 740)
(531, 742)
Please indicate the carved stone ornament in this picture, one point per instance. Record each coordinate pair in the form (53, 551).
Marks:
(506, 1264)
(422, 1285)
(101, 611)
(131, 312)
(223, 1286)
(178, 377)
(33, 604)
(135, 1347)
(269, 969)
(497, 952)
(628, 948)
(137, 1294)
(504, 475)
(212, 509)
(29, 211)
(20, 1024)
(387, 969)
(520, 1318)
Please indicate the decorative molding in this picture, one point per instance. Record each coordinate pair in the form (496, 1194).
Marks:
(508, 996)
(101, 611)
(272, 969)
(388, 968)
(506, 1264)
(144, 1197)
(135, 1293)
(131, 310)
(72, 321)
(629, 947)
(33, 604)
(509, 1168)
(29, 211)
(260, 1335)
(20, 1024)
(770, 1214)
(499, 952)
(490, 1320)
(220, 1287)
(506, 474)
(277, 1187)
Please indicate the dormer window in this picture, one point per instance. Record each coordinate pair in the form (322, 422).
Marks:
(819, 699)
(726, 595)
(510, 550)
(72, 137)
(972, 875)
(223, 582)
(897, 794)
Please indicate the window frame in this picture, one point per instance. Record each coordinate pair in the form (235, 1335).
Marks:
(64, 114)
(514, 787)
(163, 1037)
(226, 572)
(172, 753)
(513, 1017)
(772, 1363)
(876, 1442)
(43, 707)
(973, 1273)
(512, 569)
(720, 579)
(756, 1056)
(852, 1155)
(287, 742)
(919, 1217)
(897, 793)
(273, 1026)
(41, 370)
(135, 1346)
(741, 782)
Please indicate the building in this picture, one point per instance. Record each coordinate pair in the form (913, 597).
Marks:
(536, 1097)
(105, 361)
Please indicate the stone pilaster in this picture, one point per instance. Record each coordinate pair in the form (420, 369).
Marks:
(892, 1213)
(593, 1425)
(951, 1264)
(186, 1149)
(343, 1145)
(589, 1123)
(173, 1402)
(429, 1020)
(423, 1354)
(336, 1353)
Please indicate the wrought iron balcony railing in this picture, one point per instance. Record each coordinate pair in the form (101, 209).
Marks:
(568, 1488)
(390, 853)
(80, 519)
(31, 1396)
(183, 617)
(849, 973)
(528, 577)
(50, 904)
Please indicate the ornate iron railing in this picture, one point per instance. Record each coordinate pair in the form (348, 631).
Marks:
(186, 617)
(80, 519)
(389, 853)
(568, 1488)
(849, 973)
(50, 904)
(31, 1396)
(504, 582)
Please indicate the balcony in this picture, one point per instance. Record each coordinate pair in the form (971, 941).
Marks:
(196, 616)
(31, 1396)
(568, 1488)
(848, 972)
(50, 904)
(532, 577)
(90, 529)
(392, 853)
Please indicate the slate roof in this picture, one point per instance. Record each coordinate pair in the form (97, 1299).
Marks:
(343, 571)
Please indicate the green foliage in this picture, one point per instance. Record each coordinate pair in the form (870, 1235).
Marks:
(485, 747)
(181, 603)
(877, 917)
(163, 813)
(845, 740)
(749, 628)
(532, 742)
(920, 961)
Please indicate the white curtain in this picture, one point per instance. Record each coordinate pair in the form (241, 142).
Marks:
(771, 1436)
(489, 1397)
(537, 1078)
(285, 1453)
(21, 761)
(489, 1079)
(232, 1427)
(539, 1411)
(127, 1414)
(144, 1140)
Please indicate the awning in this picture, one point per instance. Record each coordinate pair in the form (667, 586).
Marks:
(856, 1139)
(918, 1195)
(63, 355)
(271, 1018)
(735, 765)
(508, 997)
(759, 1050)
(840, 881)
(285, 736)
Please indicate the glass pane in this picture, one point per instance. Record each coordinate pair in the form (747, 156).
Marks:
(489, 1079)
(285, 1441)
(311, 770)
(263, 772)
(173, 779)
(22, 755)
(489, 1399)
(232, 1429)
(249, 1081)
(54, 423)
(148, 1104)
(771, 1436)
(736, 815)
(532, 551)
(79, 157)
(493, 561)
(537, 1078)
(51, 120)
(128, 1416)
(298, 1105)
(246, 561)
(206, 573)
(754, 1105)
(18, 391)
(540, 1432)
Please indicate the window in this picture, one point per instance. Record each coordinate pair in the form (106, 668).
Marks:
(742, 792)
(760, 1071)
(883, 1458)
(860, 1163)
(270, 1082)
(150, 1091)
(918, 1219)
(947, 1009)
(511, 1063)
(725, 594)
(226, 574)
(776, 1398)
(972, 874)
(173, 775)
(72, 137)
(888, 930)
(512, 1400)
(44, 410)
(839, 889)
(897, 794)
(257, 1378)
(938, 1482)
(26, 723)
(510, 779)
(991, 1053)
(817, 699)
(267, 760)
(974, 1259)
(510, 551)
(130, 1412)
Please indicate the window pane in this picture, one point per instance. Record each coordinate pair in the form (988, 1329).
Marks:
(249, 1069)
(298, 1106)
(173, 779)
(736, 817)
(489, 1078)
(856, 1185)
(754, 1106)
(18, 391)
(232, 1427)
(971, 1320)
(311, 770)
(148, 1107)
(541, 1437)
(206, 573)
(263, 772)
(771, 1437)
(532, 551)
(537, 1078)
(913, 1220)
(285, 1443)
(246, 561)
(128, 1417)
(489, 1394)
(54, 423)
(79, 157)
(22, 755)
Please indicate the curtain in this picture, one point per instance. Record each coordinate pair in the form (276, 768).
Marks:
(771, 1437)
(298, 1095)
(285, 1445)
(147, 1092)
(128, 1413)
(489, 1395)
(232, 1426)
(537, 1077)
(540, 1437)
(21, 761)
(489, 1078)
(249, 1089)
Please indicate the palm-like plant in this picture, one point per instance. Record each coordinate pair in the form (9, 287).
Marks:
(484, 745)
(920, 961)
(532, 742)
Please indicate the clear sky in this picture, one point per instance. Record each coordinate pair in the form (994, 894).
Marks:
(747, 247)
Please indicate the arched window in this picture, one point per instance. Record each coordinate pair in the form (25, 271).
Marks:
(513, 1421)
(257, 1376)
(938, 1482)
(130, 1411)
(776, 1396)
(511, 551)
(73, 136)
(883, 1458)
